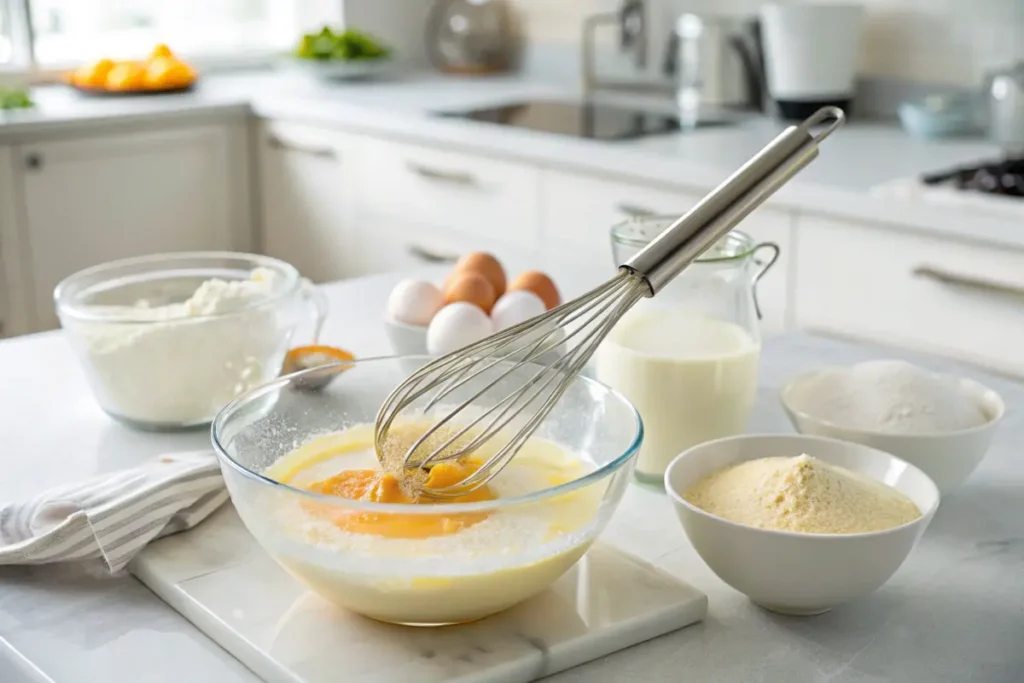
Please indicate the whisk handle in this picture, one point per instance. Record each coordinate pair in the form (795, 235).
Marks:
(728, 204)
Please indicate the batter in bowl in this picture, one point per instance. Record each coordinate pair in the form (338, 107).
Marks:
(423, 567)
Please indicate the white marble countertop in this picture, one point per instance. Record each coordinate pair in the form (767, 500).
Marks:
(839, 183)
(954, 611)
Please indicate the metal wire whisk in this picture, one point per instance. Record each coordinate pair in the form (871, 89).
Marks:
(505, 389)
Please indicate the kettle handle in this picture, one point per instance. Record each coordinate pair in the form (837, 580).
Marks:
(752, 70)
(670, 65)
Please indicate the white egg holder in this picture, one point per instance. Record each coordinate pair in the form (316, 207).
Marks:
(411, 340)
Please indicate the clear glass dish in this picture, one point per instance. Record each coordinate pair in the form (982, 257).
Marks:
(425, 581)
(154, 360)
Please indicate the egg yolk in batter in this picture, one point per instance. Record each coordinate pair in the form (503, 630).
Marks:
(383, 487)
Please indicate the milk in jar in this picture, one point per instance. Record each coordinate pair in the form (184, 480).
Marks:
(693, 378)
(688, 356)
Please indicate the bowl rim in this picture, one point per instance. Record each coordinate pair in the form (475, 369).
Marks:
(677, 497)
(166, 261)
(961, 382)
(398, 323)
(434, 509)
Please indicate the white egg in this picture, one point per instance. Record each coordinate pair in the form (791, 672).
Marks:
(456, 325)
(414, 302)
(515, 307)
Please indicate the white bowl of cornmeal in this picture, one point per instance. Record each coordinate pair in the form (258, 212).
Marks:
(800, 524)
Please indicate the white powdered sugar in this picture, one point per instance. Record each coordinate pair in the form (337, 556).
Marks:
(180, 363)
(887, 396)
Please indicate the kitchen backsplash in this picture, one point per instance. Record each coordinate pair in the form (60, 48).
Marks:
(947, 42)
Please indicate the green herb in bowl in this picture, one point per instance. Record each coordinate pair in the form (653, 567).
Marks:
(14, 98)
(349, 45)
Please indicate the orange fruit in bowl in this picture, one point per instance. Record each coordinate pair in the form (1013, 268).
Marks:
(126, 76)
(93, 74)
(168, 72)
(161, 50)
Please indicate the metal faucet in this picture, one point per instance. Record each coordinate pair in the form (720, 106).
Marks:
(633, 30)
(631, 21)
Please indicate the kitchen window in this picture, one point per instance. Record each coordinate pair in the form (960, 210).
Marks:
(65, 33)
(6, 43)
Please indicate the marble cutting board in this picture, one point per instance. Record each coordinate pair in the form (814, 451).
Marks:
(219, 578)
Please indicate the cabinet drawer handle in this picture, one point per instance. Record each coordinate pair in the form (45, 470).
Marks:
(453, 177)
(429, 255)
(968, 281)
(322, 152)
(635, 210)
(34, 161)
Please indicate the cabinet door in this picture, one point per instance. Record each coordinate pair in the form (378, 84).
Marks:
(464, 193)
(922, 292)
(93, 200)
(579, 211)
(394, 245)
(13, 298)
(305, 199)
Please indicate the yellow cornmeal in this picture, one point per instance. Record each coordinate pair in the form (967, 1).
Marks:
(401, 437)
(801, 494)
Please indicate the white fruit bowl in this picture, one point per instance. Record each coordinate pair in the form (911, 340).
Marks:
(948, 459)
(796, 573)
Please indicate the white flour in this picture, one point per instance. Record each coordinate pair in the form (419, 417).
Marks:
(180, 367)
(888, 396)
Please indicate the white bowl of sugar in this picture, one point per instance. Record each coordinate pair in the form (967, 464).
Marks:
(939, 423)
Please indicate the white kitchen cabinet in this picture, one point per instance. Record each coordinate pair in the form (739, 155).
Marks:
(104, 197)
(462, 193)
(13, 296)
(578, 212)
(306, 195)
(960, 300)
(394, 245)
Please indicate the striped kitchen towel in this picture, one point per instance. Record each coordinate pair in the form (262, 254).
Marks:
(112, 516)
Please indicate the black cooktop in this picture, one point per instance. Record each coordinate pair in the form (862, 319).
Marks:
(577, 119)
(1002, 177)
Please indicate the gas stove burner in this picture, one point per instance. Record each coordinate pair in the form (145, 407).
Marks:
(1003, 177)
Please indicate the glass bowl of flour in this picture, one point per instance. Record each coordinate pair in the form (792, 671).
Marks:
(168, 340)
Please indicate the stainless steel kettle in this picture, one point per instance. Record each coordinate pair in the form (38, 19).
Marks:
(470, 36)
(716, 62)
(1006, 106)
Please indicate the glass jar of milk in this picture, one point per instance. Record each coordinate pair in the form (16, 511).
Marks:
(688, 357)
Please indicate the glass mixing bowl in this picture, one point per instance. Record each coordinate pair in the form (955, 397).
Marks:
(158, 362)
(435, 580)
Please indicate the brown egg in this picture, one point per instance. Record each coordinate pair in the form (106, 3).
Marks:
(540, 284)
(486, 265)
(472, 288)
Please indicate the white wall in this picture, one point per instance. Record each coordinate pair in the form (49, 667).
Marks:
(399, 23)
(951, 42)
(550, 21)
